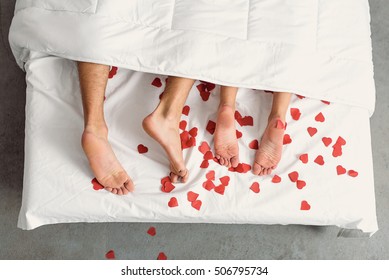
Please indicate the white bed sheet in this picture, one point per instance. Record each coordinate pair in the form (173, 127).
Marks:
(57, 178)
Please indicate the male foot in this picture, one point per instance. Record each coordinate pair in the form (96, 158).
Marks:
(226, 143)
(103, 162)
(269, 152)
(165, 131)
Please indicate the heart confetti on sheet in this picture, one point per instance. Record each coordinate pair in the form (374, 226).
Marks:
(304, 158)
(327, 141)
(157, 82)
(312, 131)
(173, 202)
(110, 255)
(305, 206)
(287, 140)
(320, 117)
(293, 176)
(167, 187)
(142, 149)
(353, 173)
(211, 127)
(96, 185)
(192, 196)
(276, 179)
(185, 110)
(152, 231)
(161, 256)
(340, 170)
(112, 72)
(300, 184)
(295, 113)
(196, 204)
(255, 187)
(254, 144)
(319, 160)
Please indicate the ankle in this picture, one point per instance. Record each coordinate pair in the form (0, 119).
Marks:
(99, 129)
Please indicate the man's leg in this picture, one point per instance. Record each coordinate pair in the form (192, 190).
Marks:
(226, 143)
(269, 152)
(102, 160)
(163, 124)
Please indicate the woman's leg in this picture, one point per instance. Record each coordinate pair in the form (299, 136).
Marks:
(226, 143)
(269, 152)
(163, 124)
(102, 160)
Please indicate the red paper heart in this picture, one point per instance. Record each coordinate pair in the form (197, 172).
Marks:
(142, 149)
(208, 155)
(326, 102)
(304, 158)
(110, 255)
(207, 85)
(220, 189)
(182, 125)
(190, 143)
(192, 196)
(352, 173)
(295, 113)
(276, 179)
(287, 140)
(340, 141)
(320, 117)
(210, 175)
(201, 87)
(167, 187)
(237, 116)
(246, 167)
(312, 131)
(300, 96)
(96, 185)
(184, 136)
(157, 82)
(185, 110)
(152, 231)
(173, 202)
(319, 160)
(225, 180)
(204, 147)
(211, 127)
(254, 144)
(340, 170)
(204, 164)
(238, 134)
(305, 205)
(293, 176)
(300, 184)
(161, 256)
(247, 121)
(255, 187)
(337, 151)
(196, 204)
(208, 185)
(164, 180)
(193, 131)
(205, 95)
(327, 141)
(112, 72)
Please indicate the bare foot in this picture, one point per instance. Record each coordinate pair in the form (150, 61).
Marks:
(103, 162)
(166, 132)
(269, 152)
(226, 143)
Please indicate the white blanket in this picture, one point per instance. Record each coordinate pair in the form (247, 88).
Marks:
(319, 49)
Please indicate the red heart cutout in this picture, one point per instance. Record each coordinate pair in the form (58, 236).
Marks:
(276, 179)
(211, 127)
(305, 205)
(205, 95)
(300, 184)
(312, 131)
(295, 113)
(96, 185)
(340, 141)
(185, 110)
(167, 187)
(173, 202)
(152, 231)
(208, 185)
(304, 158)
(161, 256)
(190, 143)
(204, 164)
(204, 147)
(200, 87)
(300, 96)
(220, 189)
(337, 151)
(196, 204)
(353, 173)
(193, 131)
(184, 136)
(254, 144)
(246, 167)
(239, 168)
(142, 149)
(238, 134)
(210, 175)
(238, 116)
(112, 72)
(319, 160)
(157, 82)
(287, 139)
(255, 187)
(110, 255)
(225, 180)
(208, 155)
(293, 176)
(320, 117)
(207, 85)
(325, 102)
(247, 121)
(182, 125)
(327, 141)
(340, 170)
(192, 196)
(164, 180)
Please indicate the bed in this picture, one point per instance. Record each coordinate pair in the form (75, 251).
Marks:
(319, 50)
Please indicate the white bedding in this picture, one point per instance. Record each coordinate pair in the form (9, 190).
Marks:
(320, 49)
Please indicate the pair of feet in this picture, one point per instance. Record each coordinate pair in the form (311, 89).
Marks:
(110, 173)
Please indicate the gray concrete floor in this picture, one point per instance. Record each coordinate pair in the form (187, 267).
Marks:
(181, 241)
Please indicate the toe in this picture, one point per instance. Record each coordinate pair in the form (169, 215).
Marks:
(234, 162)
(129, 185)
(108, 189)
(257, 169)
(173, 177)
(120, 191)
(184, 175)
(221, 161)
(114, 191)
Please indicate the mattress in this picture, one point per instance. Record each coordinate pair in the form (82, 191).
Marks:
(318, 50)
